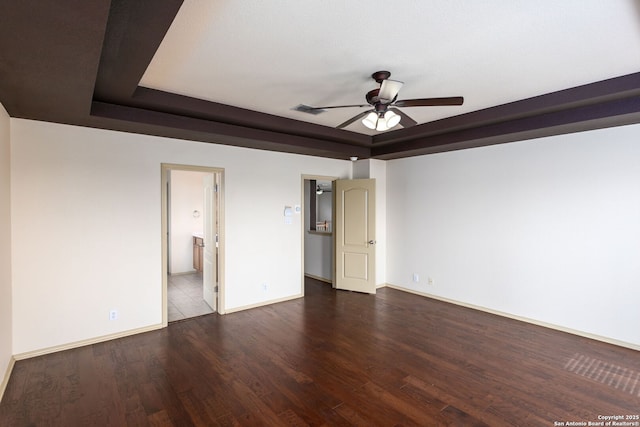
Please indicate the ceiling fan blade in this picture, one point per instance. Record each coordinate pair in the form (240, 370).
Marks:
(389, 90)
(429, 102)
(340, 106)
(405, 120)
(353, 119)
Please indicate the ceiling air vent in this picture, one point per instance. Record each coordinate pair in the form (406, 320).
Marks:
(309, 110)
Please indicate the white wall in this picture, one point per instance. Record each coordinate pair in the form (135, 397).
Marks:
(86, 227)
(5, 246)
(187, 196)
(547, 229)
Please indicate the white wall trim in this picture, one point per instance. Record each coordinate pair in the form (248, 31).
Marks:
(262, 304)
(7, 374)
(521, 318)
(322, 279)
(82, 343)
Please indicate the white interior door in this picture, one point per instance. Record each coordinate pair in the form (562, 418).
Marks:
(209, 258)
(355, 235)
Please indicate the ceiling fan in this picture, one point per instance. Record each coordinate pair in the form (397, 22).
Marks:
(385, 114)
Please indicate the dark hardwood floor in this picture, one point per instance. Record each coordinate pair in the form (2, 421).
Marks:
(332, 358)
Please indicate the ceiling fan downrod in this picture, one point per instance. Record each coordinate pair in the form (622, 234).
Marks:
(379, 76)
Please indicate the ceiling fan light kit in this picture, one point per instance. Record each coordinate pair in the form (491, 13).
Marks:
(389, 91)
(392, 119)
(384, 100)
(381, 121)
(370, 120)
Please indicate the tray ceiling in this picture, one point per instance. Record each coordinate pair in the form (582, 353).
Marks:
(253, 55)
(230, 72)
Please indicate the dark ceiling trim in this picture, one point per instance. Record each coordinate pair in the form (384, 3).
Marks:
(206, 110)
(227, 134)
(554, 102)
(576, 119)
(49, 57)
(134, 32)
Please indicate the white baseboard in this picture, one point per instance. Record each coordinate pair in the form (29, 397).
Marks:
(69, 346)
(329, 281)
(182, 273)
(7, 374)
(322, 279)
(522, 319)
(262, 304)
(82, 343)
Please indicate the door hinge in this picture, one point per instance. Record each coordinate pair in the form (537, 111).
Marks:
(215, 288)
(215, 188)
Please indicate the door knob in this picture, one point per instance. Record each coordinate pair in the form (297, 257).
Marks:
(372, 242)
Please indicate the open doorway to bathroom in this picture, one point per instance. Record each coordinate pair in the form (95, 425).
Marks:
(191, 250)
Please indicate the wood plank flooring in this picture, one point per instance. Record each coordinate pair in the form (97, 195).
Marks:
(330, 359)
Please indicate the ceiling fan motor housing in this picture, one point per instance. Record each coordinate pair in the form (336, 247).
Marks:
(372, 96)
(379, 76)
(373, 99)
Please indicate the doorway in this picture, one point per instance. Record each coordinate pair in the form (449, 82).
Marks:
(192, 241)
(317, 228)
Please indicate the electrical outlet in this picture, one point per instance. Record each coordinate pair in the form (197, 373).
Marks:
(416, 277)
(113, 314)
(265, 287)
(430, 281)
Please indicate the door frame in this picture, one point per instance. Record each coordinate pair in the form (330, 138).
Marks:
(165, 169)
(303, 234)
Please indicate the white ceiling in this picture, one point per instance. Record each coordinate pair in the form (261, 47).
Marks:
(270, 56)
